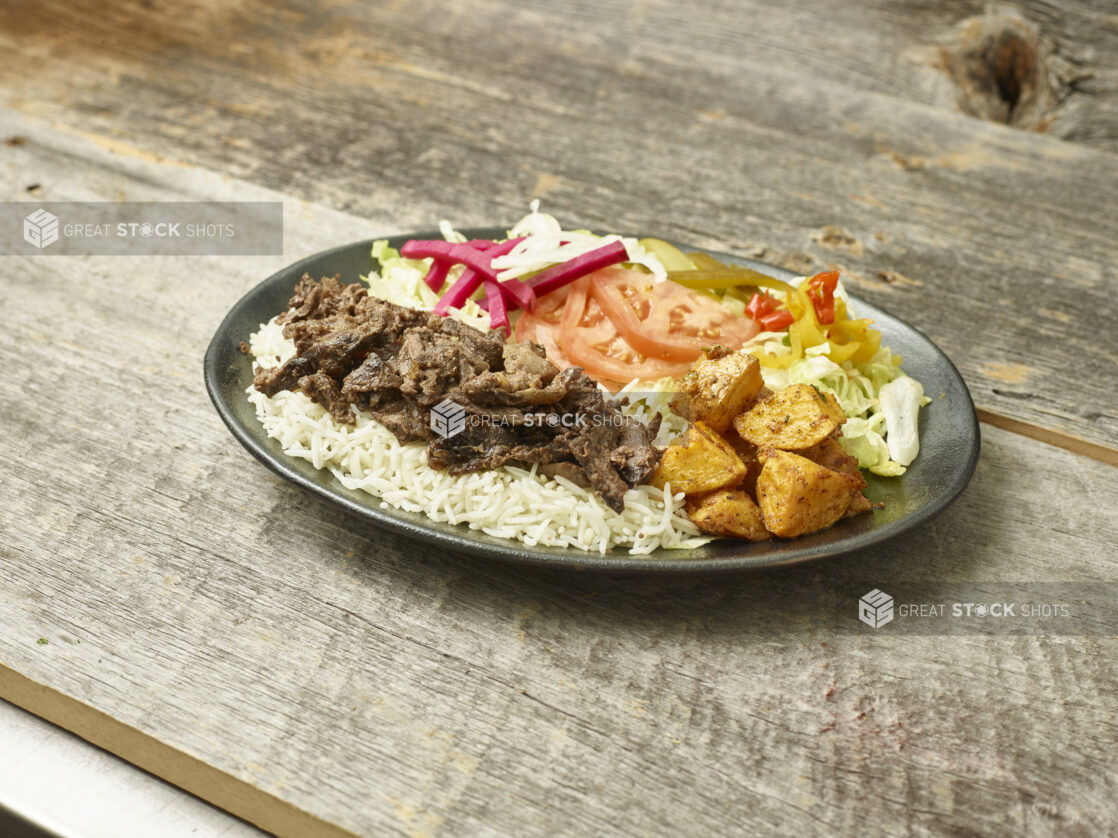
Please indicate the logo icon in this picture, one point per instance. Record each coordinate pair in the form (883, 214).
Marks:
(40, 228)
(875, 609)
(448, 418)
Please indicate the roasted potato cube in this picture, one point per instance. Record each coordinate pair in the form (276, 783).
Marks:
(699, 460)
(797, 417)
(718, 388)
(798, 496)
(830, 454)
(749, 454)
(730, 512)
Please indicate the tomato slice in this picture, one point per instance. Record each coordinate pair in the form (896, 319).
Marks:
(589, 338)
(618, 325)
(665, 320)
(624, 302)
(547, 336)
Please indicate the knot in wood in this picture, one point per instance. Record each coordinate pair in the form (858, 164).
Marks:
(998, 63)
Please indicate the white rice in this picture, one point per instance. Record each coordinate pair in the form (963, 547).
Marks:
(507, 502)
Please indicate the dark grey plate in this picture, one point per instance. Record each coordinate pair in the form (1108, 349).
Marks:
(948, 444)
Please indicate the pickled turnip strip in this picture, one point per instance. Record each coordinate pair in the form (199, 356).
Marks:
(557, 276)
(459, 292)
(465, 252)
(477, 255)
(498, 314)
(436, 276)
(520, 293)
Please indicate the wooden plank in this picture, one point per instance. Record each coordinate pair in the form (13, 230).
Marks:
(146, 752)
(242, 627)
(50, 776)
(1025, 63)
(997, 242)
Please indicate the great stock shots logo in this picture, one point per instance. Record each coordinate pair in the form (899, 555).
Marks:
(875, 609)
(448, 418)
(40, 229)
(141, 228)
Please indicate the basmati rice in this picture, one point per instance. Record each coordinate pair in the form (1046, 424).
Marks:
(507, 502)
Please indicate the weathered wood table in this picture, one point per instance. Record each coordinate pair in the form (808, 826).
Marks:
(288, 662)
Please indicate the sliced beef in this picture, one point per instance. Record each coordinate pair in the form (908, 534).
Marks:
(273, 379)
(571, 472)
(407, 420)
(592, 452)
(432, 363)
(634, 458)
(353, 350)
(494, 444)
(323, 389)
(376, 374)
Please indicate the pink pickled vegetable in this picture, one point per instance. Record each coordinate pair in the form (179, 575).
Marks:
(520, 293)
(459, 292)
(498, 315)
(501, 248)
(567, 272)
(464, 252)
(477, 255)
(436, 276)
(516, 293)
(477, 258)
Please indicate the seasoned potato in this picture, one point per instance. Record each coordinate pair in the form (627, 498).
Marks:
(699, 461)
(797, 417)
(830, 454)
(730, 512)
(718, 388)
(798, 496)
(749, 454)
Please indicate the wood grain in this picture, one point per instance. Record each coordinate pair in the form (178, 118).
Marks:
(815, 138)
(952, 55)
(374, 686)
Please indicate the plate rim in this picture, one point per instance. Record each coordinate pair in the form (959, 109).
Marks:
(473, 542)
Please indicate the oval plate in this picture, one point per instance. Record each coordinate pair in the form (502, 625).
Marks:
(949, 443)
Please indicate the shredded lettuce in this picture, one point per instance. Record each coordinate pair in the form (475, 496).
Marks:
(734, 305)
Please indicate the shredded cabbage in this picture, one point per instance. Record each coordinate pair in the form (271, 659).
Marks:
(546, 243)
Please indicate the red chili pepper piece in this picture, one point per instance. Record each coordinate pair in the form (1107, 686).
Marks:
(765, 309)
(821, 291)
(776, 321)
